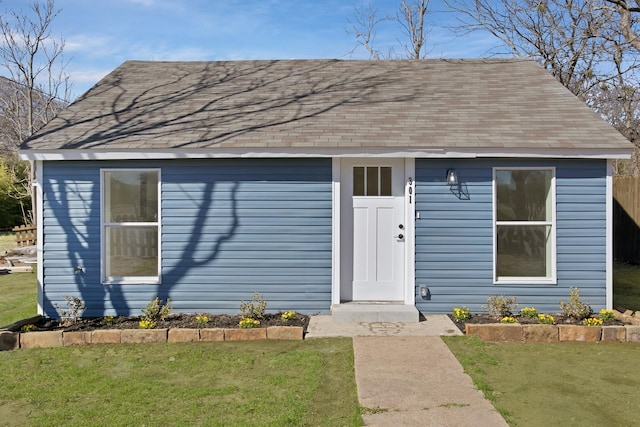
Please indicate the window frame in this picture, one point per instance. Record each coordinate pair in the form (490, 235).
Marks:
(123, 280)
(551, 279)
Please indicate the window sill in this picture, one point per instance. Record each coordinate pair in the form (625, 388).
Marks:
(525, 281)
(132, 281)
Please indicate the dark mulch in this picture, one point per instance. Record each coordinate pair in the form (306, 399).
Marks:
(560, 319)
(174, 321)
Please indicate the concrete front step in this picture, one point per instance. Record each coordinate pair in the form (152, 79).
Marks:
(374, 312)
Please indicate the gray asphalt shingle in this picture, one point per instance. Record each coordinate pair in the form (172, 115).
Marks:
(307, 104)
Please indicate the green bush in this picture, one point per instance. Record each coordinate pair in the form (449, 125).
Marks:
(575, 308)
(156, 311)
(10, 206)
(255, 308)
(501, 306)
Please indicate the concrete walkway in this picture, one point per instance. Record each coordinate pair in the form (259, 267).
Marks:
(406, 375)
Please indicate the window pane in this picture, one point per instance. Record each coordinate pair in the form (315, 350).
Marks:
(372, 181)
(131, 196)
(523, 251)
(358, 181)
(523, 195)
(385, 181)
(132, 251)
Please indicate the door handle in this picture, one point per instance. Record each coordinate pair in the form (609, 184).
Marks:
(401, 227)
(399, 236)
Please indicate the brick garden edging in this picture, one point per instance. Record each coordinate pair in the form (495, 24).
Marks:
(515, 332)
(15, 340)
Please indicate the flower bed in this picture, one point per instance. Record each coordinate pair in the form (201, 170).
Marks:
(59, 338)
(43, 332)
(622, 327)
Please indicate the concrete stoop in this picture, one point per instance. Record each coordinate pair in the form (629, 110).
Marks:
(370, 312)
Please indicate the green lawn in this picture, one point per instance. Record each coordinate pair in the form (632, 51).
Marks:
(7, 241)
(255, 383)
(18, 297)
(626, 286)
(542, 384)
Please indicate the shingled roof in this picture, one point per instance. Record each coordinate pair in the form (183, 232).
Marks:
(484, 106)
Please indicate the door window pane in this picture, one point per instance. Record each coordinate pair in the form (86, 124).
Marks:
(385, 181)
(372, 181)
(358, 181)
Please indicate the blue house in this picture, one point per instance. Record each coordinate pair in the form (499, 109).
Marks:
(324, 185)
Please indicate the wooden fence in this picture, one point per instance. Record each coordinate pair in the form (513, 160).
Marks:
(626, 219)
(25, 235)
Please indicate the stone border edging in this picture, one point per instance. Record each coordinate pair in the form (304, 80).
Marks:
(17, 340)
(515, 332)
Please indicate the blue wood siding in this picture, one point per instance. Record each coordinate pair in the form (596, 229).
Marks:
(454, 235)
(229, 227)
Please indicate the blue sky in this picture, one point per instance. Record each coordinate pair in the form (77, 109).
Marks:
(101, 34)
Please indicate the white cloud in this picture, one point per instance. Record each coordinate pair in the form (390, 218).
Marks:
(103, 45)
(84, 76)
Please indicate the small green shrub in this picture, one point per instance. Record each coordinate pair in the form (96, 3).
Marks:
(248, 323)
(255, 308)
(461, 314)
(156, 311)
(546, 319)
(108, 320)
(501, 306)
(529, 312)
(575, 308)
(73, 312)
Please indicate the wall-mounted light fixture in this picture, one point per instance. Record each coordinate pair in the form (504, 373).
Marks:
(452, 177)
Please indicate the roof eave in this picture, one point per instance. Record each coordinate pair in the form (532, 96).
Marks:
(59, 155)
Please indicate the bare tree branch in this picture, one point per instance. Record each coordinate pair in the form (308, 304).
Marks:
(36, 87)
(411, 19)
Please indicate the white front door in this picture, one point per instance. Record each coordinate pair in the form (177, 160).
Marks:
(373, 231)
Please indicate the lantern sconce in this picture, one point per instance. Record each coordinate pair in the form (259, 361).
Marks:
(452, 177)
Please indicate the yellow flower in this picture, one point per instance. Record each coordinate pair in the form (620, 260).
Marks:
(288, 315)
(248, 322)
(592, 321)
(201, 319)
(147, 324)
(547, 319)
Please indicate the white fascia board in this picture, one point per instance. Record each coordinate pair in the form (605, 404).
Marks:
(609, 237)
(53, 155)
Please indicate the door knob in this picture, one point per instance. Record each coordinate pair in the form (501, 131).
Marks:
(400, 236)
(401, 227)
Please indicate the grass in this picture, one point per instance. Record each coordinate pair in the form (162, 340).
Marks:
(255, 383)
(568, 384)
(626, 286)
(18, 297)
(7, 241)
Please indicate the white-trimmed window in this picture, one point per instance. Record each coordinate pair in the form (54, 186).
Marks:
(130, 225)
(524, 225)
